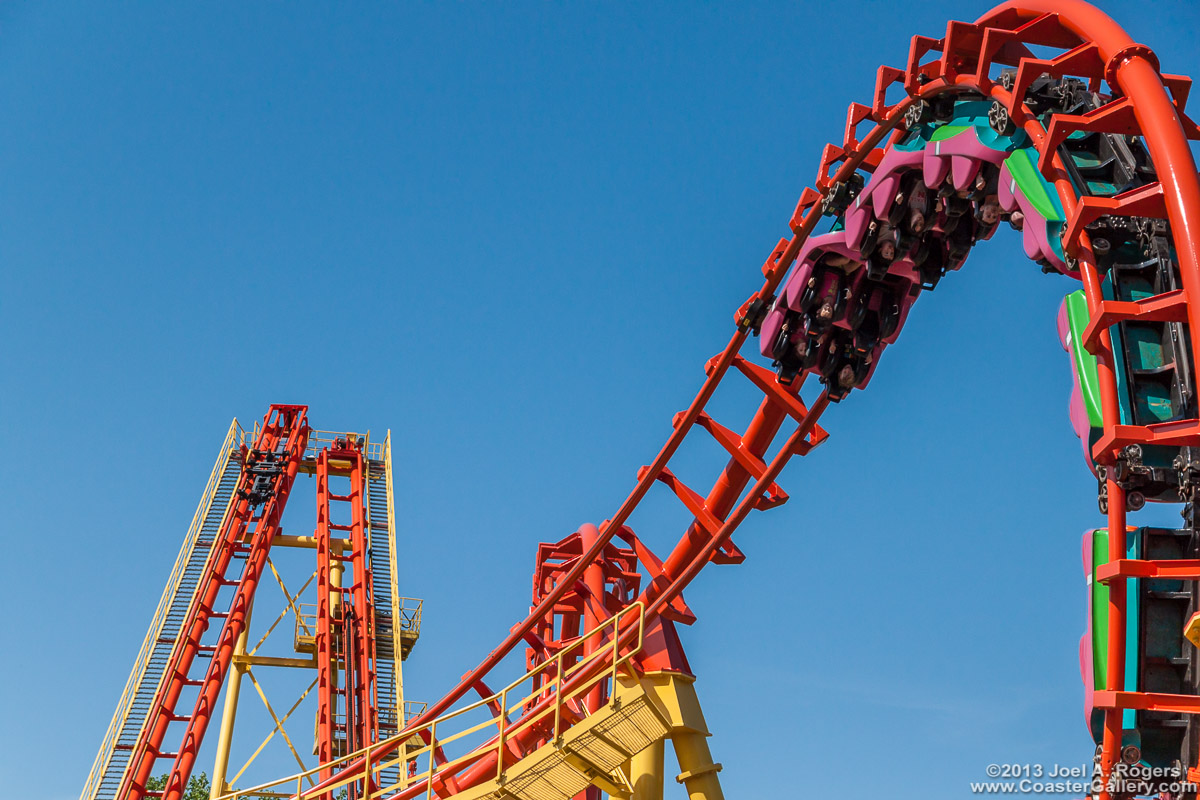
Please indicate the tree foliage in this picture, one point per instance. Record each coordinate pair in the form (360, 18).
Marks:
(198, 786)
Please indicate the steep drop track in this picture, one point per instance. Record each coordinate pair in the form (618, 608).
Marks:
(1086, 152)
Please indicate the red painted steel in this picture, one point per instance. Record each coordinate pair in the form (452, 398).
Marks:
(284, 434)
(345, 615)
(609, 584)
(962, 60)
(1095, 48)
(1132, 70)
(361, 679)
(326, 650)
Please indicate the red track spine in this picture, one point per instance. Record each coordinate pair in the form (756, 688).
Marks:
(285, 433)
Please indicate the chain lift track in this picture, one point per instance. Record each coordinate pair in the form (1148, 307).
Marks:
(1086, 152)
(267, 475)
(354, 637)
(151, 663)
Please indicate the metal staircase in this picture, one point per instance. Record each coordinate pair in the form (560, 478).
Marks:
(591, 752)
(536, 739)
(165, 627)
(392, 641)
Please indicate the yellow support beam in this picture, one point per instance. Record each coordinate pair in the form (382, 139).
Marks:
(310, 542)
(233, 688)
(646, 770)
(272, 661)
(676, 694)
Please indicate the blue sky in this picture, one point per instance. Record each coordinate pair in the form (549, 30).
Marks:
(513, 234)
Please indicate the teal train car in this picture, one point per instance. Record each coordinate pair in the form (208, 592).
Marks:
(1150, 390)
(1157, 658)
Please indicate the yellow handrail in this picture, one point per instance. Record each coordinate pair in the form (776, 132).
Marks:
(371, 766)
(318, 440)
(408, 618)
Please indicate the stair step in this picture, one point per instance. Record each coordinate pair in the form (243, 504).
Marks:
(592, 748)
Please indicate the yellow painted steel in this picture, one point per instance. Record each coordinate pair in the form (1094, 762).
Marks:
(393, 561)
(293, 608)
(416, 746)
(233, 437)
(336, 570)
(305, 639)
(407, 627)
(283, 588)
(699, 772)
(276, 729)
(410, 615)
(319, 440)
(1191, 630)
(310, 542)
(406, 614)
(646, 770)
(275, 718)
(273, 661)
(676, 694)
(233, 688)
(397, 648)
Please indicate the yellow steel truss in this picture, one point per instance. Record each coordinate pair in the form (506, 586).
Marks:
(412, 746)
(406, 616)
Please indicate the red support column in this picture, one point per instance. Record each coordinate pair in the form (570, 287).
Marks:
(328, 620)
(345, 614)
(1131, 69)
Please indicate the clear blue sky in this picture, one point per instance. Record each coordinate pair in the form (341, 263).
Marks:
(513, 233)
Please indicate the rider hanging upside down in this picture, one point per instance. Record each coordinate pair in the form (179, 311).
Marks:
(826, 292)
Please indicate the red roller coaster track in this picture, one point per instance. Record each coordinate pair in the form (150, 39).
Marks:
(1092, 40)
(1140, 101)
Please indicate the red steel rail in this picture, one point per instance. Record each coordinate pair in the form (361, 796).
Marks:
(279, 448)
(325, 643)
(1094, 47)
(1145, 102)
(345, 633)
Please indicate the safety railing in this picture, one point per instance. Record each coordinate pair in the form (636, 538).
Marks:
(393, 562)
(410, 615)
(306, 627)
(412, 710)
(319, 440)
(541, 694)
(306, 619)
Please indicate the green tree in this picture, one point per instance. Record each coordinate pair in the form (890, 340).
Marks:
(197, 789)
